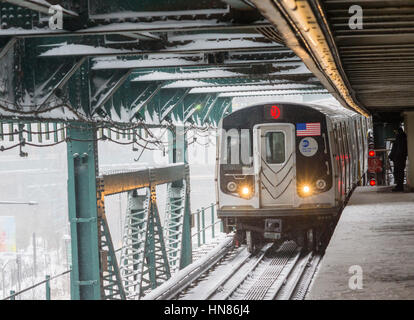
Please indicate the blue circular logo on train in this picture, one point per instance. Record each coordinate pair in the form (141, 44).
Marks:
(308, 146)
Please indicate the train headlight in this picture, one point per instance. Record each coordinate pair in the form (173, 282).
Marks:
(321, 184)
(305, 190)
(245, 192)
(232, 186)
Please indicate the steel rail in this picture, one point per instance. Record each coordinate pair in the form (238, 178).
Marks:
(185, 277)
(293, 278)
(247, 272)
(303, 284)
(265, 280)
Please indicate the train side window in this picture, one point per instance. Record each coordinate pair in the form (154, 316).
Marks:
(345, 141)
(334, 140)
(338, 131)
(361, 133)
(275, 147)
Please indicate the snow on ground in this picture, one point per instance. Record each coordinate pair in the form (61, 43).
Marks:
(374, 239)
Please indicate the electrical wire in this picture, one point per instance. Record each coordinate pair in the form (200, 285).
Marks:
(157, 141)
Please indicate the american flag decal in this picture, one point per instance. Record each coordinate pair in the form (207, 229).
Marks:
(308, 129)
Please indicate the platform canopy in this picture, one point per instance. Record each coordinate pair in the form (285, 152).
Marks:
(149, 60)
(363, 48)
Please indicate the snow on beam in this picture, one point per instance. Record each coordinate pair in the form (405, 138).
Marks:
(204, 84)
(160, 13)
(293, 65)
(138, 64)
(254, 88)
(273, 93)
(195, 46)
(204, 74)
(187, 76)
(133, 27)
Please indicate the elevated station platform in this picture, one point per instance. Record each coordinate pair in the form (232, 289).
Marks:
(373, 241)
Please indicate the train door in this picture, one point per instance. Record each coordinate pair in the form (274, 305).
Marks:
(343, 156)
(353, 151)
(346, 157)
(276, 164)
(358, 149)
(340, 160)
(366, 142)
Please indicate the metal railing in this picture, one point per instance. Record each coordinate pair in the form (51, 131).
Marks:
(46, 282)
(200, 218)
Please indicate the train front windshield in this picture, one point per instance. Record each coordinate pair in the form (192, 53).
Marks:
(237, 150)
(275, 147)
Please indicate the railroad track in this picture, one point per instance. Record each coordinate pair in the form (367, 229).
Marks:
(275, 272)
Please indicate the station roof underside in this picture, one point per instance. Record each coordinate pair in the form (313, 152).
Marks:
(374, 60)
(126, 61)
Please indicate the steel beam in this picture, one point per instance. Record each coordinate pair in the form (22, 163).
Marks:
(108, 85)
(113, 183)
(195, 46)
(192, 60)
(173, 103)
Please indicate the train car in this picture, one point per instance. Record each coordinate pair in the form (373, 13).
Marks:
(284, 171)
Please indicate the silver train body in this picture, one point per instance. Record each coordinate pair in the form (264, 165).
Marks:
(284, 170)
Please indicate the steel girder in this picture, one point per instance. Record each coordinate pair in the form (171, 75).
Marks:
(69, 72)
(174, 224)
(30, 18)
(177, 227)
(103, 89)
(28, 83)
(144, 262)
(125, 181)
(100, 47)
(249, 61)
(90, 92)
(111, 281)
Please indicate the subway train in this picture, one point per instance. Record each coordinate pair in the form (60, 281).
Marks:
(285, 171)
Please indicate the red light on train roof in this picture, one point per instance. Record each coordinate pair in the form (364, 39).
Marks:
(372, 183)
(371, 153)
(275, 112)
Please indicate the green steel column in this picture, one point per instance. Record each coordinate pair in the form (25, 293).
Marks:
(47, 287)
(82, 203)
(178, 153)
(198, 228)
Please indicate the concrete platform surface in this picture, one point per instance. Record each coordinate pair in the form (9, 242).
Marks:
(373, 242)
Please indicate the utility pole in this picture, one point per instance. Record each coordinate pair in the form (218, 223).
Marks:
(34, 256)
(19, 269)
(4, 283)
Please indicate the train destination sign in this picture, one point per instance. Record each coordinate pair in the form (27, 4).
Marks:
(272, 112)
